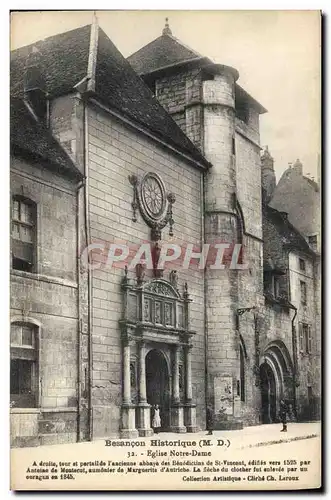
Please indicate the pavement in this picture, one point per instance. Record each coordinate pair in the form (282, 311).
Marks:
(249, 437)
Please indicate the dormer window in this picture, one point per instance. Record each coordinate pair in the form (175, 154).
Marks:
(313, 241)
(302, 265)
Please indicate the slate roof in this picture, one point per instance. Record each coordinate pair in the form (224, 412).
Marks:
(66, 59)
(166, 52)
(29, 138)
(290, 236)
(162, 52)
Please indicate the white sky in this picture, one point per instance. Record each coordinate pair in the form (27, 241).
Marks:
(277, 54)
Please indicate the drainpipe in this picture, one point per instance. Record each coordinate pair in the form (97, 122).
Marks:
(78, 188)
(295, 362)
(89, 271)
(205, 291)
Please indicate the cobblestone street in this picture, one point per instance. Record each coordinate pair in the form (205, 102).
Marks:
(259, 435)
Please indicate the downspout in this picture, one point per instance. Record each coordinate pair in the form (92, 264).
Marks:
(203, 238)
(78, 245)
(205, 291)
(295, 361)
(294, 338)
(89, 271)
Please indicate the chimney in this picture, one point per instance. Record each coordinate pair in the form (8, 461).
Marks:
(297, 166)
(35, 84)
(268, 178)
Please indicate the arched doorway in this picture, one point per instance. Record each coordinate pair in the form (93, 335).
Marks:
(157, 385)
(268, 394)
(276, 379)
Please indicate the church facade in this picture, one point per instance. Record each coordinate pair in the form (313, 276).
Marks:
(168, 149)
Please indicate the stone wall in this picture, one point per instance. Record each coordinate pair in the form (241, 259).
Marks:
(180, 95)
(308, 363)
(48, 298)
(116, 151)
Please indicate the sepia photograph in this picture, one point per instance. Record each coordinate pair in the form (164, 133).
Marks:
(165, 250)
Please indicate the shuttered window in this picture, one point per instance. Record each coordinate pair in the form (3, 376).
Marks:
(23, 234)
(23, 365)
(301, 337)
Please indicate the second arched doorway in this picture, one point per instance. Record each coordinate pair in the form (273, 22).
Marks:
(268, 394)
(276, 381)
(158, 385)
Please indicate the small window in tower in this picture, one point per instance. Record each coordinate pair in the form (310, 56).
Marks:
(303, 293)
(233, 146)
(242, 110)
(313, 241)
(302, 265)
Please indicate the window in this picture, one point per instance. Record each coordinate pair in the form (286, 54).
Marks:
(308, 339)
(23, 234)
(23, 365)
(242, 111)
(303, 293)
(271, 284)
(233, 146)
(313, 241)
(305, 338)
(302, 265)
(300, 337)
(276, 286)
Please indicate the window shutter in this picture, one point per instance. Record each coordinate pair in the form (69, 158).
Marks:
(300, 337)
(309, 340)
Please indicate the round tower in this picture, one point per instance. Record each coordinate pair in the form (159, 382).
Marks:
(221, 226)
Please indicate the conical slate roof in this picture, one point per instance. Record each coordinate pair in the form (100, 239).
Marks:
(163, 52)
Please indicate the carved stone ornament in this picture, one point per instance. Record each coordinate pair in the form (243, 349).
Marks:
(152, 196)
(154, 203)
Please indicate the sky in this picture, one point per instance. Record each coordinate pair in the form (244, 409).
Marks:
(277, 54)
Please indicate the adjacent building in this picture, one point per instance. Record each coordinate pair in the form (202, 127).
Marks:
(44, 324)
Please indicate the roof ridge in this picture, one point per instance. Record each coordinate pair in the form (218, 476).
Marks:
(93, 53)
(186, 46)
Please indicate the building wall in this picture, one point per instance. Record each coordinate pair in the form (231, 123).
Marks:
(115, 152)
(49, 298)
(205, 110)
(308, 363)
(180, 94)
